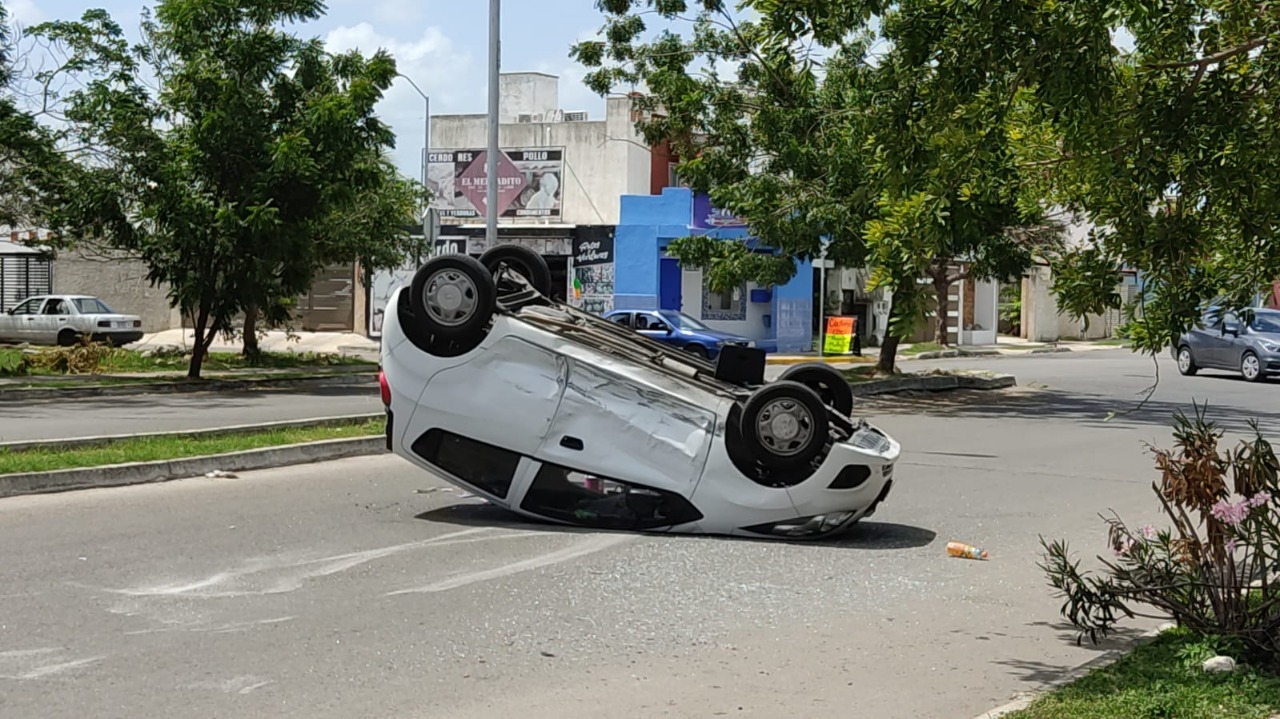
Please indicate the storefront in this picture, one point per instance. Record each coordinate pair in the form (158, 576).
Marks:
(580, 258)
(778, 318)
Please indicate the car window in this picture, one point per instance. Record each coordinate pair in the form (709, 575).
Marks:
(92, 306)
(682, 321)
(1268, 323)
(56, 307)
(622, 318)
(30, 307)
(649, 322)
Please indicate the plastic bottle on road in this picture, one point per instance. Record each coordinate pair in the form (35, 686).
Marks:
(965, 551)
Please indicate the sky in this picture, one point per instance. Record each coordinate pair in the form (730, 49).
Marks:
(442, 46)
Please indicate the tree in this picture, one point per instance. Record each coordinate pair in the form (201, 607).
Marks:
(1174, 156)
(31, 167)
(372, 228)
(885, 129)
(228, 145)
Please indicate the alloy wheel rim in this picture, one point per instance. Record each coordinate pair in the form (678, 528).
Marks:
(450, 297)
(785, 427)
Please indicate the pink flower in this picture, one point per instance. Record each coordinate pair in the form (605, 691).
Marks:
(1231, 514)
(1148, 532)
(1259, 499)
(1230, 546)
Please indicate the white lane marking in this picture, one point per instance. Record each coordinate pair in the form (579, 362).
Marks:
(591, 545)
(52, 669)
(19, 653)
(251, 687)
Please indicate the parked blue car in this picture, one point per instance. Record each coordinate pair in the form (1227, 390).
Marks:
(679, 329)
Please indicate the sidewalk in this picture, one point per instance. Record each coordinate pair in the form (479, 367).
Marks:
(1006, 346)
(276, 341)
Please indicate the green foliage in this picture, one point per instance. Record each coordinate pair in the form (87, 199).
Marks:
(229, 177)
(1157, 681)
(889, 129)
(1173, 154)
(1213, 571)
(14, 363)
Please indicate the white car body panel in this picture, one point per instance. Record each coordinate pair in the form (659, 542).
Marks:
(43, 329)
(556, 401)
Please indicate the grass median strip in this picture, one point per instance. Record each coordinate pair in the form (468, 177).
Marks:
(1161, 678)
(152, 449)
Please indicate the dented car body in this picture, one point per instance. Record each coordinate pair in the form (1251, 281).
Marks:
(556, 415)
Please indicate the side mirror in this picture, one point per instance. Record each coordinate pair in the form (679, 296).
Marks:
(1231, 328)
(670, 331)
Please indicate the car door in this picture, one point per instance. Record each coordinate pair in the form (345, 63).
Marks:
(1223, 343)
(23, 320)
(614, 427)
(55, 315)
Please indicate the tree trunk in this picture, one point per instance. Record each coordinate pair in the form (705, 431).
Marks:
(197, 354)
(888, 362)
(941, 290)
(251, 350)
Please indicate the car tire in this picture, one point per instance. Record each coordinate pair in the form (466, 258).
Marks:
(523, 261)
(830, 385)
(1251, 367)
(785, 425)
(452, 298)
(1186, 362)
(697, 351)
(68, 338)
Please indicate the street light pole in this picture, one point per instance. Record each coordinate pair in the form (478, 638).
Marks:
(491, 159)
(426, 150)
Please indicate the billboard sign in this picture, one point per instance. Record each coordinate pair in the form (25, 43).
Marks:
(529, 184)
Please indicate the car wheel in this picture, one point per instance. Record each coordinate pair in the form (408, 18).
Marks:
(453, 298)
(524, 262)
(830, 385)
(67, 338)
(1186, 363)
(696, 350)
(1251, 367)
(785, 425)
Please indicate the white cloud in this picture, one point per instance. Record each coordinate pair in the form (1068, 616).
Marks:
(24, 12)
(445, 73)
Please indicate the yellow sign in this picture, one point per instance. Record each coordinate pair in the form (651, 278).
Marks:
(839, 336)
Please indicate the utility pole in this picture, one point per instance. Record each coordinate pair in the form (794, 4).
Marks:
(426, 151)
(491, 159)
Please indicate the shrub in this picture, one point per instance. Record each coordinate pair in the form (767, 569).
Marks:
(85, 357)
(14, 363)
(1214, 570)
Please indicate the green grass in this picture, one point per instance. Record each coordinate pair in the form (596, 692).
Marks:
(1155, 682)
(65, 381)
(152, 449)
(922, 347)
(123, 361)
(1112, 342)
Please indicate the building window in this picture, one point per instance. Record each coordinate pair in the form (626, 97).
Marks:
(673, 177)
(725, 306)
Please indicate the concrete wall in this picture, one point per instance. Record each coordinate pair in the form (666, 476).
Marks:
(604, 159)
(120, 281)
(526, 93)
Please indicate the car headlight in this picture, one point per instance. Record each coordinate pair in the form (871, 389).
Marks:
(1269, 346)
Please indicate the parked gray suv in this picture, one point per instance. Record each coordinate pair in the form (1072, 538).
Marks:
(1226, 341)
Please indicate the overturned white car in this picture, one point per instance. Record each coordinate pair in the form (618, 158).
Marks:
(562, 416)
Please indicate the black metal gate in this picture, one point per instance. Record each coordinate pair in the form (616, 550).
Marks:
(23, 276)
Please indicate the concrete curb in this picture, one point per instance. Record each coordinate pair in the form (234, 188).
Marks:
(931, 383)
(951, 354)
(119, 475)
(344, 379)
(836, 359)
(1106, 658)
(100, 440)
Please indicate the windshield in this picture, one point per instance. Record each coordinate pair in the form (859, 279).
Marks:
(1268, 323)
(681, 321)
(92, 306)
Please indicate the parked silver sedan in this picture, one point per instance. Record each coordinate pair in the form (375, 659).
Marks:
(1224, 341)
(66, 319)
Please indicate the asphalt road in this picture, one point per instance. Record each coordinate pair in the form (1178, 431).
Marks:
(88, 417)
(356, 589)
(1115, 375)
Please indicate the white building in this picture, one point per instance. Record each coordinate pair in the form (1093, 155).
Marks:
(603, 158)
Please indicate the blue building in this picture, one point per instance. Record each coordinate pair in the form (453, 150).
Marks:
(779, 318)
